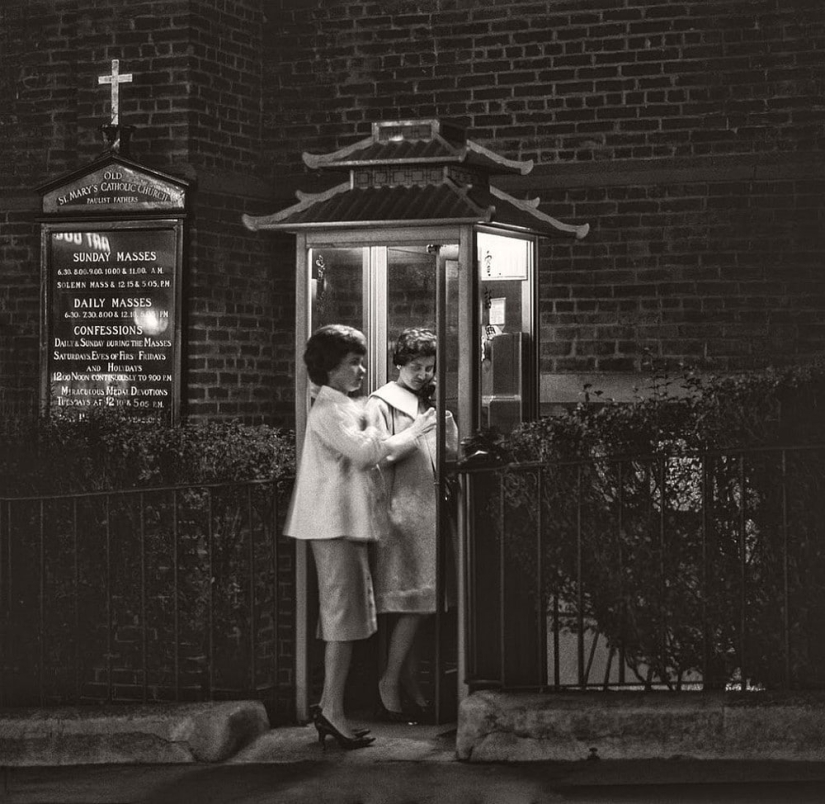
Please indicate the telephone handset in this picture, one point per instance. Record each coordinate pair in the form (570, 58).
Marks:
(488, 332)
(427, 393)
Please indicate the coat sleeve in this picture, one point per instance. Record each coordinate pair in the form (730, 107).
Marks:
(379, 417)
(399, 445)
(349, 436)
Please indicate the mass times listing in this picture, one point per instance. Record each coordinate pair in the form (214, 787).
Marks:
(112, 338)
(128, 361)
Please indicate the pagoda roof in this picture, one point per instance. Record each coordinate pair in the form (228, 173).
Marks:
(417, 142)
(436, 204)
(414, 172)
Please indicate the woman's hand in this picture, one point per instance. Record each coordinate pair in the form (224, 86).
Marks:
(424, 423)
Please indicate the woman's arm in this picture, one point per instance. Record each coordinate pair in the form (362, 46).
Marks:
(346, 432)
(379, 417)
(404, 442)
(380, 414)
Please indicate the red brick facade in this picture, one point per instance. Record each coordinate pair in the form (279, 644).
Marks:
(690, 135)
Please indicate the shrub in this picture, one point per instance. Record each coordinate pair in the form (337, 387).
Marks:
(147, 592)
(769, 408)
(694, 544)
(111, 450)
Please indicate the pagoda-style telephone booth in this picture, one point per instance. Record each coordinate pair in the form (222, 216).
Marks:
(417, 236)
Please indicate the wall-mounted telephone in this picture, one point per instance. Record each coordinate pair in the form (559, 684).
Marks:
(502, 380)
(488, 332)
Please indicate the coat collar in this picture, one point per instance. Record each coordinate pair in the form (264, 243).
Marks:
(326, 393)
(329, 391)
(400, 398)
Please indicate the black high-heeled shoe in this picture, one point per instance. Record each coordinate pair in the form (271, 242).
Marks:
(315, 710)
(391, 716)
(423, 713)
(325, 728)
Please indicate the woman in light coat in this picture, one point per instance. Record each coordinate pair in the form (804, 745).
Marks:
(404, 567)
(337, 505)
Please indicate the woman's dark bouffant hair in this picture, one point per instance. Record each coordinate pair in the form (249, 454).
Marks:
(328, 346)
(412, 343)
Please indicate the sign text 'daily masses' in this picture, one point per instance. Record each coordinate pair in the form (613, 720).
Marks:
(112, 318)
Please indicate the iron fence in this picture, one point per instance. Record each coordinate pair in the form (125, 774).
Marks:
(682, 571)
(161, 594)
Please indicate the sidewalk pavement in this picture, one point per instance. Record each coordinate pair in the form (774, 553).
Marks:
(408, 765)
(405, 765)
(333, 780)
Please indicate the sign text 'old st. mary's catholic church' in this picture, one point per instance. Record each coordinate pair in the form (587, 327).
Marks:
(111, 263)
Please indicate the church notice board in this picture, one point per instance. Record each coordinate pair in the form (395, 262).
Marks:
(112, 298)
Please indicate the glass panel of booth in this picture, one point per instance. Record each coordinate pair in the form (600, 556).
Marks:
(410, 294)
(336, 277)
(505, 268)
(383, 290)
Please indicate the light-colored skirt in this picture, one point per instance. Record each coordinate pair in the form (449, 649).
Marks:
(347, 602)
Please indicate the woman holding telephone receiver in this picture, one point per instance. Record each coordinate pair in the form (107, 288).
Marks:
(404, 566)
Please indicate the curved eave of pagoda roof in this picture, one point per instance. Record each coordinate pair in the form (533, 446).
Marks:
(345, 206)
(548, 223)
(432, 205)
(437, 151)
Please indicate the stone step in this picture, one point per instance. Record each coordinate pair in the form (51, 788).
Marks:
(506, 727)
(156, 733)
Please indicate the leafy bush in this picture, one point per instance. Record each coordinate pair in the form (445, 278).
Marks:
(769, 408)
(110, 450)
(196, 570)
(676, 527)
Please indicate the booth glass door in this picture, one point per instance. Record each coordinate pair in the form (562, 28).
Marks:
(382, 290)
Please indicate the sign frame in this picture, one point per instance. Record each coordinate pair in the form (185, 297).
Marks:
(109, 196)
(175, 226)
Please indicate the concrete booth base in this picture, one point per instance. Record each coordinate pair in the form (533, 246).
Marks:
(569, 726)
(161, 733)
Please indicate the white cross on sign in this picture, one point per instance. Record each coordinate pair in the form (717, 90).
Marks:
(115, 79)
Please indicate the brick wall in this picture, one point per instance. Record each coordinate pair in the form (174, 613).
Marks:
(723, 274)
(195, 103)
(689, 135)
(558, 81)
(241, 318)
